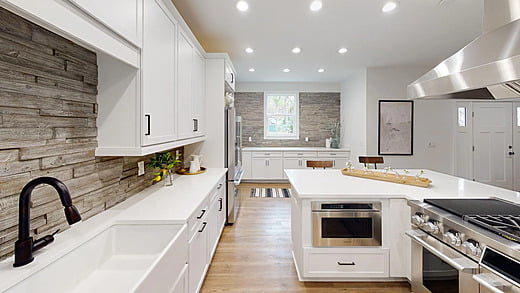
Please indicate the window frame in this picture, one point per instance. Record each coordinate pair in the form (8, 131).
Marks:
(296, 115)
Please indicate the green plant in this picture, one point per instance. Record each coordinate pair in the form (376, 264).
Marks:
(164, 162)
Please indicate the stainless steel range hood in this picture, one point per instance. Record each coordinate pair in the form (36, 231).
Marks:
(487, 68)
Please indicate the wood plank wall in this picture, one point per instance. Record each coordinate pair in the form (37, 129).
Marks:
(48, 110)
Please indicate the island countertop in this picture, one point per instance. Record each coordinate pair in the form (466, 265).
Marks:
(333, 184)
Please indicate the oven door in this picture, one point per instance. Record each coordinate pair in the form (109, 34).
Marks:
(346, 228)
(438, 268)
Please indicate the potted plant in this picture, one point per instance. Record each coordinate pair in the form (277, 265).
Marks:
(165, 162)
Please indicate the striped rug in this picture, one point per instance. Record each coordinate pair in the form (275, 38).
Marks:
(270, 192)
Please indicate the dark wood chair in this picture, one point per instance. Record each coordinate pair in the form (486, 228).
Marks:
(371, 160)
(319, 164)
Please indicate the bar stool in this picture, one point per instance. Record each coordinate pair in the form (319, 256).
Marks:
(319, 164)
(371, 160)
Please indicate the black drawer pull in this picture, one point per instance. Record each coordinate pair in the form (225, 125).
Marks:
(219, 186)
(147, 124)
(220, 204)
(203, 226)
(350, 263)
(202, 214)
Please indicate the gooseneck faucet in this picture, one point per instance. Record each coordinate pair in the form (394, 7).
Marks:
(25, 246)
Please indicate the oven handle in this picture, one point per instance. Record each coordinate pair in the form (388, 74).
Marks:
(491, 282)
(418, 236)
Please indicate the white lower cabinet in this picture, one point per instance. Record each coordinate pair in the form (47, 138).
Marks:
(198, 257)
(267, 166)
(246, 165)
(346, 262)
(339, 159)
(181, 285)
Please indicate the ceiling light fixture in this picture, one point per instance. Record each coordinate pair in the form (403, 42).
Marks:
(389, 6)
(286, 70)
(242, 5)
(251, 70)
(321, 70)
(296, 50)
(316, 5)
(249, 50)
(343, 50)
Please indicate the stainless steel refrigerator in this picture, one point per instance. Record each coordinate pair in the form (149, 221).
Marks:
(233, 161)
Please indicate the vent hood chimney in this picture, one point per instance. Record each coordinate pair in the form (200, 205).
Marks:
(487, 68)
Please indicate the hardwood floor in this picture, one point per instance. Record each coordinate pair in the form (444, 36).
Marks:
(254, 255)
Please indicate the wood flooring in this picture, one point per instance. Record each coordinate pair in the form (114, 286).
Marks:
(254, 255)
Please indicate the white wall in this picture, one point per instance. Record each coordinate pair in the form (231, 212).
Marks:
(434, 120)
(353, 114)
(287, 86)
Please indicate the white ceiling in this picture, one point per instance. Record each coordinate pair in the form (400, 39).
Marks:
(418, 32)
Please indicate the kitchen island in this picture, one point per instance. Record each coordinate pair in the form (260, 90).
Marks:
(389, 261)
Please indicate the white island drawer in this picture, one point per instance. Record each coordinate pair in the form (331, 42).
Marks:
(346, 262)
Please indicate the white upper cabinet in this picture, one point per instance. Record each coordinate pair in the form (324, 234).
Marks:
(185, 64)
(198, 93)
(230, 76)
(158, 75)
(125, 22)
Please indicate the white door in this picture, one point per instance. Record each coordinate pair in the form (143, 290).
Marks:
(516, 145)
(492, 139)
(158, 74)
(464, 141)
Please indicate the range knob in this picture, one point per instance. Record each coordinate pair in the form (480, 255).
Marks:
(453, 237)
(472, 247)
(432, 227)
(418, 219)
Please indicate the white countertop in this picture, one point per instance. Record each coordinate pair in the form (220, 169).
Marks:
(330, 183)
(157, 203)
(294, 149)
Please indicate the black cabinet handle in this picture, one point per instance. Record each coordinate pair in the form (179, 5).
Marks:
(232, 77)
(203, 226)
(202, 214)
(511, 153)
(219, 186)
(195, 124)
(350, 263)
(147, 124)
(220, 204)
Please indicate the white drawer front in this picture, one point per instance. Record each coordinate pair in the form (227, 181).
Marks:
(300, 154)
(357, 263)
(197, 217)
(267, 154)
(217, 190)
(333, 154)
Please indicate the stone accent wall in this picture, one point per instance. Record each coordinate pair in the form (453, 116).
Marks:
(48, 110)
(317, 112)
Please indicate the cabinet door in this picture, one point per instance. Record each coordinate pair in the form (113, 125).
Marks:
(339, 163)
(291, 163)
(246, 165)
(198, 93)
(259, 168)
(198, 257)
(213, 228)
(158, 75)
(185, 61)
(274, 169)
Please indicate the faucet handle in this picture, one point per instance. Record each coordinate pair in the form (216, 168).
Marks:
(44, 241)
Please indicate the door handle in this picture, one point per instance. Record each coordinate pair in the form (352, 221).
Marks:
(350, 263)
(195, 125)
(147, 124)
(220, 204)
(232, 77)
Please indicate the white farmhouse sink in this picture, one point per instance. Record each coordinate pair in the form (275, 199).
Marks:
(119, 259)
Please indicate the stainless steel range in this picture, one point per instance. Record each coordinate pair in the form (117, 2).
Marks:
(465, 245)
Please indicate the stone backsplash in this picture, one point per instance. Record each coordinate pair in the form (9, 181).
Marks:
(48, 110)
(317, 112)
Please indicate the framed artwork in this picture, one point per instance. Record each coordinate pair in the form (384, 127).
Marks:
(395, 128)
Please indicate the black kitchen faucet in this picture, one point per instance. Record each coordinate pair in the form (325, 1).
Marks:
(25, 246)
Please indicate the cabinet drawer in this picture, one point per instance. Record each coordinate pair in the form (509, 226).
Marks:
(267, 154)
(347, 262)
(333, 154)
(217, 191)
(197, 217)
(300, 154)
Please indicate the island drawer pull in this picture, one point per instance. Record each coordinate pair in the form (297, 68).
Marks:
(203, 227)
(219, 186)
(220, 204)
(202, 214)
(350, 263)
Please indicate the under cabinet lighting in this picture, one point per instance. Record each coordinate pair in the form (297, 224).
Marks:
(242, 5)
(316, 5)
(389, 6)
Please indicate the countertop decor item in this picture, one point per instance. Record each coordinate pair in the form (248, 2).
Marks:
(390, 177)
(186, 171)
(165, 162)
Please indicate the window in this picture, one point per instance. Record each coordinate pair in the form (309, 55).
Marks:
(281, 115)
(517, 116)
(461, 113)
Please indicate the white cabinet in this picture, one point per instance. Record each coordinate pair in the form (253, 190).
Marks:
(339, 159)
(198, 257)
(216, 219)
(267, 165)
(230, 77)
(158, 75)
(198, 93)
(247, 165)
(297, 160)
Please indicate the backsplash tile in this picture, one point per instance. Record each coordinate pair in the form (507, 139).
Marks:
(317, 112)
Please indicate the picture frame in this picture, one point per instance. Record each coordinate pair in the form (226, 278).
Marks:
(395, 128)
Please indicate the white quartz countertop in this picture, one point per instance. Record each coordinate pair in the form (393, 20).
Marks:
(157, 203)
(293, 149)
(330, 183)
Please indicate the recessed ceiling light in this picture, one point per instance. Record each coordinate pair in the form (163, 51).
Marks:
(389, 6)
(343, 50)
(286, 70)
(321, 70)
(242, 5)
(296, 50)
(316, 5)
(251, 70)
(249, 50)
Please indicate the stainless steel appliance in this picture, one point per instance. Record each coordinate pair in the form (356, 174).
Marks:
(465, 245)
(233, 161)
(346, 224)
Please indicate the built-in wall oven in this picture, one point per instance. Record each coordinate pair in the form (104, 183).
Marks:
(346, 224)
